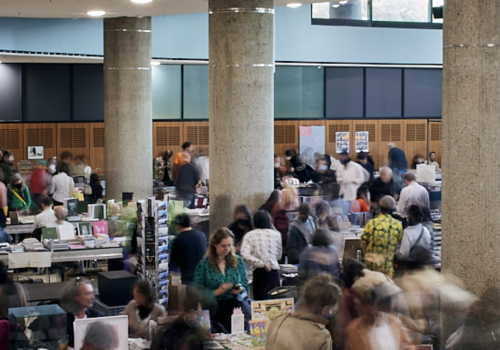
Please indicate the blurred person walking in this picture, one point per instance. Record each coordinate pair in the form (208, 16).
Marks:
(319, 258)
(362, 202)
(280, 212)
(396, 159)
(350, 176)
(241, 225)
(187, 180)
(381, 237)
(180, 159)
(278, 169)
(362, 158)
(300, 169)
(261, 249)
(338, 205)
(203, 165)
(4, 209)
(382, 186)
(62, 185)
(271, 202)
(301, 233)
(306, 328)
(325, 219)
(39, 184)
(6, 165)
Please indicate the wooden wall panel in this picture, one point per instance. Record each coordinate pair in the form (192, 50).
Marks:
(41, 135)
(373, 135)
(97, 151)
(415, 136)
(334, 126)
(435, 140)
(388, 131)
(167, 136)
(197, 133)
(75, 138)
(11, 138)
(286, 136)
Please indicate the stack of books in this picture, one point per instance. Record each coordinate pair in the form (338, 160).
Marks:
(32, 244)
(16, 248)
(139, 344)
(55, 244)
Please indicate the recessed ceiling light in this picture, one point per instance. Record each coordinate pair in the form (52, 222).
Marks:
(96, 13)
(141, 1)
(343, 2)
(294, 5)
(155, 63)
(335, 5)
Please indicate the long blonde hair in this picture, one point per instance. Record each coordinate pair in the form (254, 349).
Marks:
(216, 238)
(288, 199)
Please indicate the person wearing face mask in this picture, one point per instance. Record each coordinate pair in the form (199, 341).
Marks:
(18, 194)
(6, 166)
(241, 225)
(277, 172)
(350, 176)
(52, 166)
(306, 328)
(300, 169)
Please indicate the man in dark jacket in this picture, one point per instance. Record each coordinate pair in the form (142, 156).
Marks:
(187, 180)
(396, 158)
(301, 232)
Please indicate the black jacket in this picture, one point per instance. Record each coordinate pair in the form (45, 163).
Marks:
(187, 179)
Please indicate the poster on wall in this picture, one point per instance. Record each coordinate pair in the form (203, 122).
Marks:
(361, 141)
(342, 142)
(35, 152)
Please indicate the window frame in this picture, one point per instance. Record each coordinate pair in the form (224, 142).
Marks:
(376, 24)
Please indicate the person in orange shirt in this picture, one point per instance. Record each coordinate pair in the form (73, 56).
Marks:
(362, 202)
(180, 159)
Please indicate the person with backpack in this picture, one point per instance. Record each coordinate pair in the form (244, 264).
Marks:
(18, 194)
(416, 234)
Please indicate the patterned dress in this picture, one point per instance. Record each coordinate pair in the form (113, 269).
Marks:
(381, 236)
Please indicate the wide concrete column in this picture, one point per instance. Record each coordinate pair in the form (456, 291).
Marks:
(241, 83)
(471, 142)
(127, 107)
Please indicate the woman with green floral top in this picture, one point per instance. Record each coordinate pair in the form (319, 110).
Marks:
(222, 276)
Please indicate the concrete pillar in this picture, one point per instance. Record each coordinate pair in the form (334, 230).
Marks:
(241, 85)
(127, 107)
(471, 142)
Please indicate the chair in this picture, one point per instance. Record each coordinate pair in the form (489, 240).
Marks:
(37, 233)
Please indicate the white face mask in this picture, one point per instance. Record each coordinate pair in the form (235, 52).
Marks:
(288, 158)
(11, 159)
(52, 168)
(277, 165)
(323, 167)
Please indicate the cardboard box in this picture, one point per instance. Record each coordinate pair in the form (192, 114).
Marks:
(177, 298)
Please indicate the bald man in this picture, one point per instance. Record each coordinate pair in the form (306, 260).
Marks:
(61, 214)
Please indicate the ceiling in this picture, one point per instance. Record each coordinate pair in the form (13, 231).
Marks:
(113, 8)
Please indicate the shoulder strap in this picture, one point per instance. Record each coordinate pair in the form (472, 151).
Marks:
(20, 198)
(418, 240)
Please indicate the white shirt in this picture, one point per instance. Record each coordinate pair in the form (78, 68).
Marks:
(410, 236)
(61, 186)
(412, 194)
(202, 163)
(350, 178)
(434, 163)
(45, 218)
(260, 247)
(64, 223)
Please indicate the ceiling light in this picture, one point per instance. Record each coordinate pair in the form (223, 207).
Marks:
(335, 5)
(343, 2)
(155, 63)
(141, 1)
(96, 13)
(294, 5)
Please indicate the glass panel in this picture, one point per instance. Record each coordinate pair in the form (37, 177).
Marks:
(195, 92)
(298, 92)
(401, 10)
(167, 92)
(342, 9)
(437, 3)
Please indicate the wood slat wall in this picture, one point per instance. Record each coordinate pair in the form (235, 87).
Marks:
(88, 138)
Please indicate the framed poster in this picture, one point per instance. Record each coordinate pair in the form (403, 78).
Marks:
(35, 152)
(341, 142)
(361, 141)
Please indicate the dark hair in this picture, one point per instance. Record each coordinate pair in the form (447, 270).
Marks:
(183, 220)
(305, 209)
(419, 258)
(352, 270)
(66, 154)
(94, 178)
(334, 191)
(8, 286)
(242, 209)
(47, 201)
(322, 238)
(276, 156)
(385, 210)
(362, 190)
(290, 153)
(6, 153)
(145, 288)
(321, 291)
(64, 168)
(322, 207)
(414, 214)
(274, 197)
(432, 153)
(262, 219)
(186, 145)
(362, 156)
(410, 177)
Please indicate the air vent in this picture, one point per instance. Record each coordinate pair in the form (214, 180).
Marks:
(98, 139)
(168, 136)
(197, 135)
(371, 131)
(73, 138)
(40, 137)
(436, 132)
(284, 134)
(9, 139)
(390, 132)
(415, 132)
(334, 128)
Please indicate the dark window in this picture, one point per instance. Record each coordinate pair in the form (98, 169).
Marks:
(88, 92)
(383, 92)
(422, 92)
(344, 93)
(10, 92)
